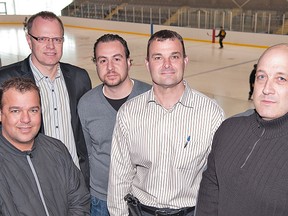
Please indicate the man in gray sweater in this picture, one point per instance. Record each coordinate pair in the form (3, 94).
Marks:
(98, 109)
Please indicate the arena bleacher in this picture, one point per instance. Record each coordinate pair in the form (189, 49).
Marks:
(236, 15)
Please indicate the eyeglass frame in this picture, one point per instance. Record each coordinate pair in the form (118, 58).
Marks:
(47, 39)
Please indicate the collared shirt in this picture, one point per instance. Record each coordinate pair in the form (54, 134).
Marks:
(159, 155)
(56, 109)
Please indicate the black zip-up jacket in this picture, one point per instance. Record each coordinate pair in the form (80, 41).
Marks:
(61, 184)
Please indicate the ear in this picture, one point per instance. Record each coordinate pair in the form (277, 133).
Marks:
(186, 60)
(147, 64)
(28, 39)
(129, 63)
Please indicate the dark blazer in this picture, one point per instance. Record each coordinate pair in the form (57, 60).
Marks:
(77, 83)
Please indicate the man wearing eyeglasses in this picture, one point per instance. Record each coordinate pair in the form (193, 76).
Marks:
(61, 84)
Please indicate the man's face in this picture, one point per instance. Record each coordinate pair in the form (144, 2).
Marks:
(271, 85)
(20, 117)
(111, 63)
(49, 53)
(166, 63)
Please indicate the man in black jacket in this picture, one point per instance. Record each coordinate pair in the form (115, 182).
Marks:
(37, 174)
(61, 84)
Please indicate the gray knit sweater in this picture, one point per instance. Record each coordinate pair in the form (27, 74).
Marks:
(98, 118)
(247, 170)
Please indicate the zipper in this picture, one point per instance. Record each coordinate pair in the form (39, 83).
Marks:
(253, 148)
(28, 156)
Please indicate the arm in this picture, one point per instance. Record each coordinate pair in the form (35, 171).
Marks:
(78, 194)
(207, 204)
(83, 109)
(121, 170)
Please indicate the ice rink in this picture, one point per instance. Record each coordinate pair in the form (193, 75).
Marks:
(222, 74)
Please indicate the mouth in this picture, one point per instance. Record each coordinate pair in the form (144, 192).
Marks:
(50, 53)
(267, 102)
(168, 72)
(25, 128)
(111, 75)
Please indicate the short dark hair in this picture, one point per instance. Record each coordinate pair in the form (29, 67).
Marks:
(164, 35)
(20, 84)
(45, 15)
(111, 37)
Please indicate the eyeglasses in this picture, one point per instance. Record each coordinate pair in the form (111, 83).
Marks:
(56, 40)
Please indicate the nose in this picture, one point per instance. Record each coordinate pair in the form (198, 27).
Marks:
(110, 65)
(50, 43)
(268, 87)
(25, 117)
(167, 63)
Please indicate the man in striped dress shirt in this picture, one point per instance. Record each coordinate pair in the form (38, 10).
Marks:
(162, 138)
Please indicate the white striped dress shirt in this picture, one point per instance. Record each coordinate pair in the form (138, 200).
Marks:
(56, 109)
(159, 155)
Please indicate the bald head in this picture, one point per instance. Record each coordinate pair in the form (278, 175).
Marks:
(271, 84)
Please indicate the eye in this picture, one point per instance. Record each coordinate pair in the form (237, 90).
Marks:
(14, 110)
(175, 57)
(102, 61)
(282, 79)
(42, 39)
(58, 40)
(157, 58)
(260, 77)
(34, 110)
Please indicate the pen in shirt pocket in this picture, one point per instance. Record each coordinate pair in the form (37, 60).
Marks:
(187, 141)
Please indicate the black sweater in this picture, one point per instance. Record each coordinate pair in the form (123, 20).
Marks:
(247, 173)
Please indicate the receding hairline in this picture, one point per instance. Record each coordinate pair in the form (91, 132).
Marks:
(282, 46)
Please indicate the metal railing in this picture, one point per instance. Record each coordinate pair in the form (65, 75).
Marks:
(3, 8)
(271, 22)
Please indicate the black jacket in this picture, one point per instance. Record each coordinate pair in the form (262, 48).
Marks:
(61, 182)
(77, 83)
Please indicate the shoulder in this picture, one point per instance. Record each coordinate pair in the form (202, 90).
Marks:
(137, 102)
(75, 71)
(72, 67)
(50, 144)
(200, 99)
(141, 84)
(21, 68)
(77, 79)
(235, 123)
(245, 113)
(52, 150)
(140, 87)
(14, 66)
(90, 96)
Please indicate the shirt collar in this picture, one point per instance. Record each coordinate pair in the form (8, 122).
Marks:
(186, 99)
(38, 75)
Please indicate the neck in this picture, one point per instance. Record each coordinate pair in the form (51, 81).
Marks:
(47, 70)
(23, 146)
(120, 91)
(168, 97)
